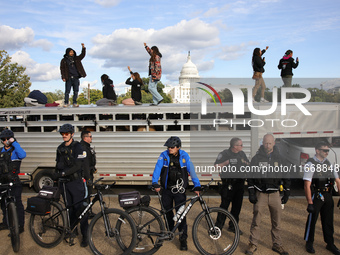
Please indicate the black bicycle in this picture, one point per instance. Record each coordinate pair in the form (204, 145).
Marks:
(104, 236)
(11, 214)
(209, 237)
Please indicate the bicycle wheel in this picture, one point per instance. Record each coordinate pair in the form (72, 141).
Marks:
(102, 241)
(48, 230)
(215, 239)
(147, 239)
(13, 223)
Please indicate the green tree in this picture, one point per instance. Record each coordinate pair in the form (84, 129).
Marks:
(95, 95)
(14, 83)
(54, 96)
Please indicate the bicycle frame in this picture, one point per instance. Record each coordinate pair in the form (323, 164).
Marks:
(96, 197)
(187, 209)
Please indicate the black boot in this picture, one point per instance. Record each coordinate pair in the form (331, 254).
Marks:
(184, 245)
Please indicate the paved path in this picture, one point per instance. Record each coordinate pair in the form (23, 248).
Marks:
(293, 224)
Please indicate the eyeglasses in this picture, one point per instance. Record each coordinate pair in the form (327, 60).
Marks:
(4, 138)
(89, 136)
(324, 150)
(63, 133)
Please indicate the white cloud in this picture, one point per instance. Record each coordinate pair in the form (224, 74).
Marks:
(36, 71)
(233, 52)
(213, 12)
(108, 3)
(125, 46)
(13, 39)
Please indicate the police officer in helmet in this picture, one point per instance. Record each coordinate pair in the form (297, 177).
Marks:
(69, 162)
(173, 167)
(11, 156)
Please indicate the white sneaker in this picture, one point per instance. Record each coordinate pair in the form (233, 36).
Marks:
(263, 100)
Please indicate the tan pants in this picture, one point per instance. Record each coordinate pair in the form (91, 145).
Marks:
(273, 202)
(259, 83)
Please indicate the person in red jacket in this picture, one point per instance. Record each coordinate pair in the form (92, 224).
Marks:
(71, 70)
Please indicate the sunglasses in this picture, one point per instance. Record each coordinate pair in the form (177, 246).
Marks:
(63, 133)
(5, 138)
(89, 136)
(324, 150)
(171, 147)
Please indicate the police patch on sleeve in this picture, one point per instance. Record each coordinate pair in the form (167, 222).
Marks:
(82, 155)
(183, 161)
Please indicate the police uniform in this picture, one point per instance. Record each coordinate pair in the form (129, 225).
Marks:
(321, 187)
(89, 165)
(174, 170)
(16, 154)
(232, 189)
(69, 165)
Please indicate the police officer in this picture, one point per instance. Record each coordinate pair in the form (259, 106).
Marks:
(70, 156)
(319, 179)
(89, 167)
(9, 173)
(263, 190)
(232, 189)
(173, 167)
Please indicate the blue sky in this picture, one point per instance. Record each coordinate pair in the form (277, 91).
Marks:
(221, 36)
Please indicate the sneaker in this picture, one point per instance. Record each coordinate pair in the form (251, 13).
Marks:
(333, 248)
(251, 249)
(138, 103)
(3, 226)
(66, 105)
(75, 105)
(153, 105)
(279, 249)
(184, 245)
(232, 229)
(160, 101)
(309, 248)
(263, 100)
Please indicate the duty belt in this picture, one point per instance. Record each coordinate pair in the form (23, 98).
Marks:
(325, 189)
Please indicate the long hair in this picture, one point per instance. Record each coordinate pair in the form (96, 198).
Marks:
(104, 77)
(137, 77)
(256, 52)
(155, 52)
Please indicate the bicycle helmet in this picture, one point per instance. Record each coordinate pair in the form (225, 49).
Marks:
(6, 133)
(173, 141)
(66, 128)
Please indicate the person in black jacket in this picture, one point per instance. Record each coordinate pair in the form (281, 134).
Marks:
(136, 94)
(109, 94)
(71, 70)
(286, 65)
(232, 188)
(69, 164)
(89, 167)
(258, 63)
(263, 188)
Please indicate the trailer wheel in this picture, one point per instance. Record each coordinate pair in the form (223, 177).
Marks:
(43, 178)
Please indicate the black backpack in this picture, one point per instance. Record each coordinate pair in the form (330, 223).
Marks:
(6, 161)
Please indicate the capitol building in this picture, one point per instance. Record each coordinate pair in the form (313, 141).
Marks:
(186, 92)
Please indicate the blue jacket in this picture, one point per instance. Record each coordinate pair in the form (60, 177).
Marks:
(162, 169)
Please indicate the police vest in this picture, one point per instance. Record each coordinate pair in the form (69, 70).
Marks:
(65, 156)
(321, 179)
(6, 165)
(175, 172)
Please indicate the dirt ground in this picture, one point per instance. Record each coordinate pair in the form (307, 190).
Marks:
(293, 225)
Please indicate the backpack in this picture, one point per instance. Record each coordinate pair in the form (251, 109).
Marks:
(6, 161)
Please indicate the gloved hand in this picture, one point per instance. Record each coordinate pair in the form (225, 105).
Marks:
(156, 186)
(198, 188)
(89, 182)
(252, 196)
(55, 176)
(285, 197)
(310, 208)
(10, 141)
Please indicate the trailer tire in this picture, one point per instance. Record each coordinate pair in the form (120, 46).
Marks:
(43, 178)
